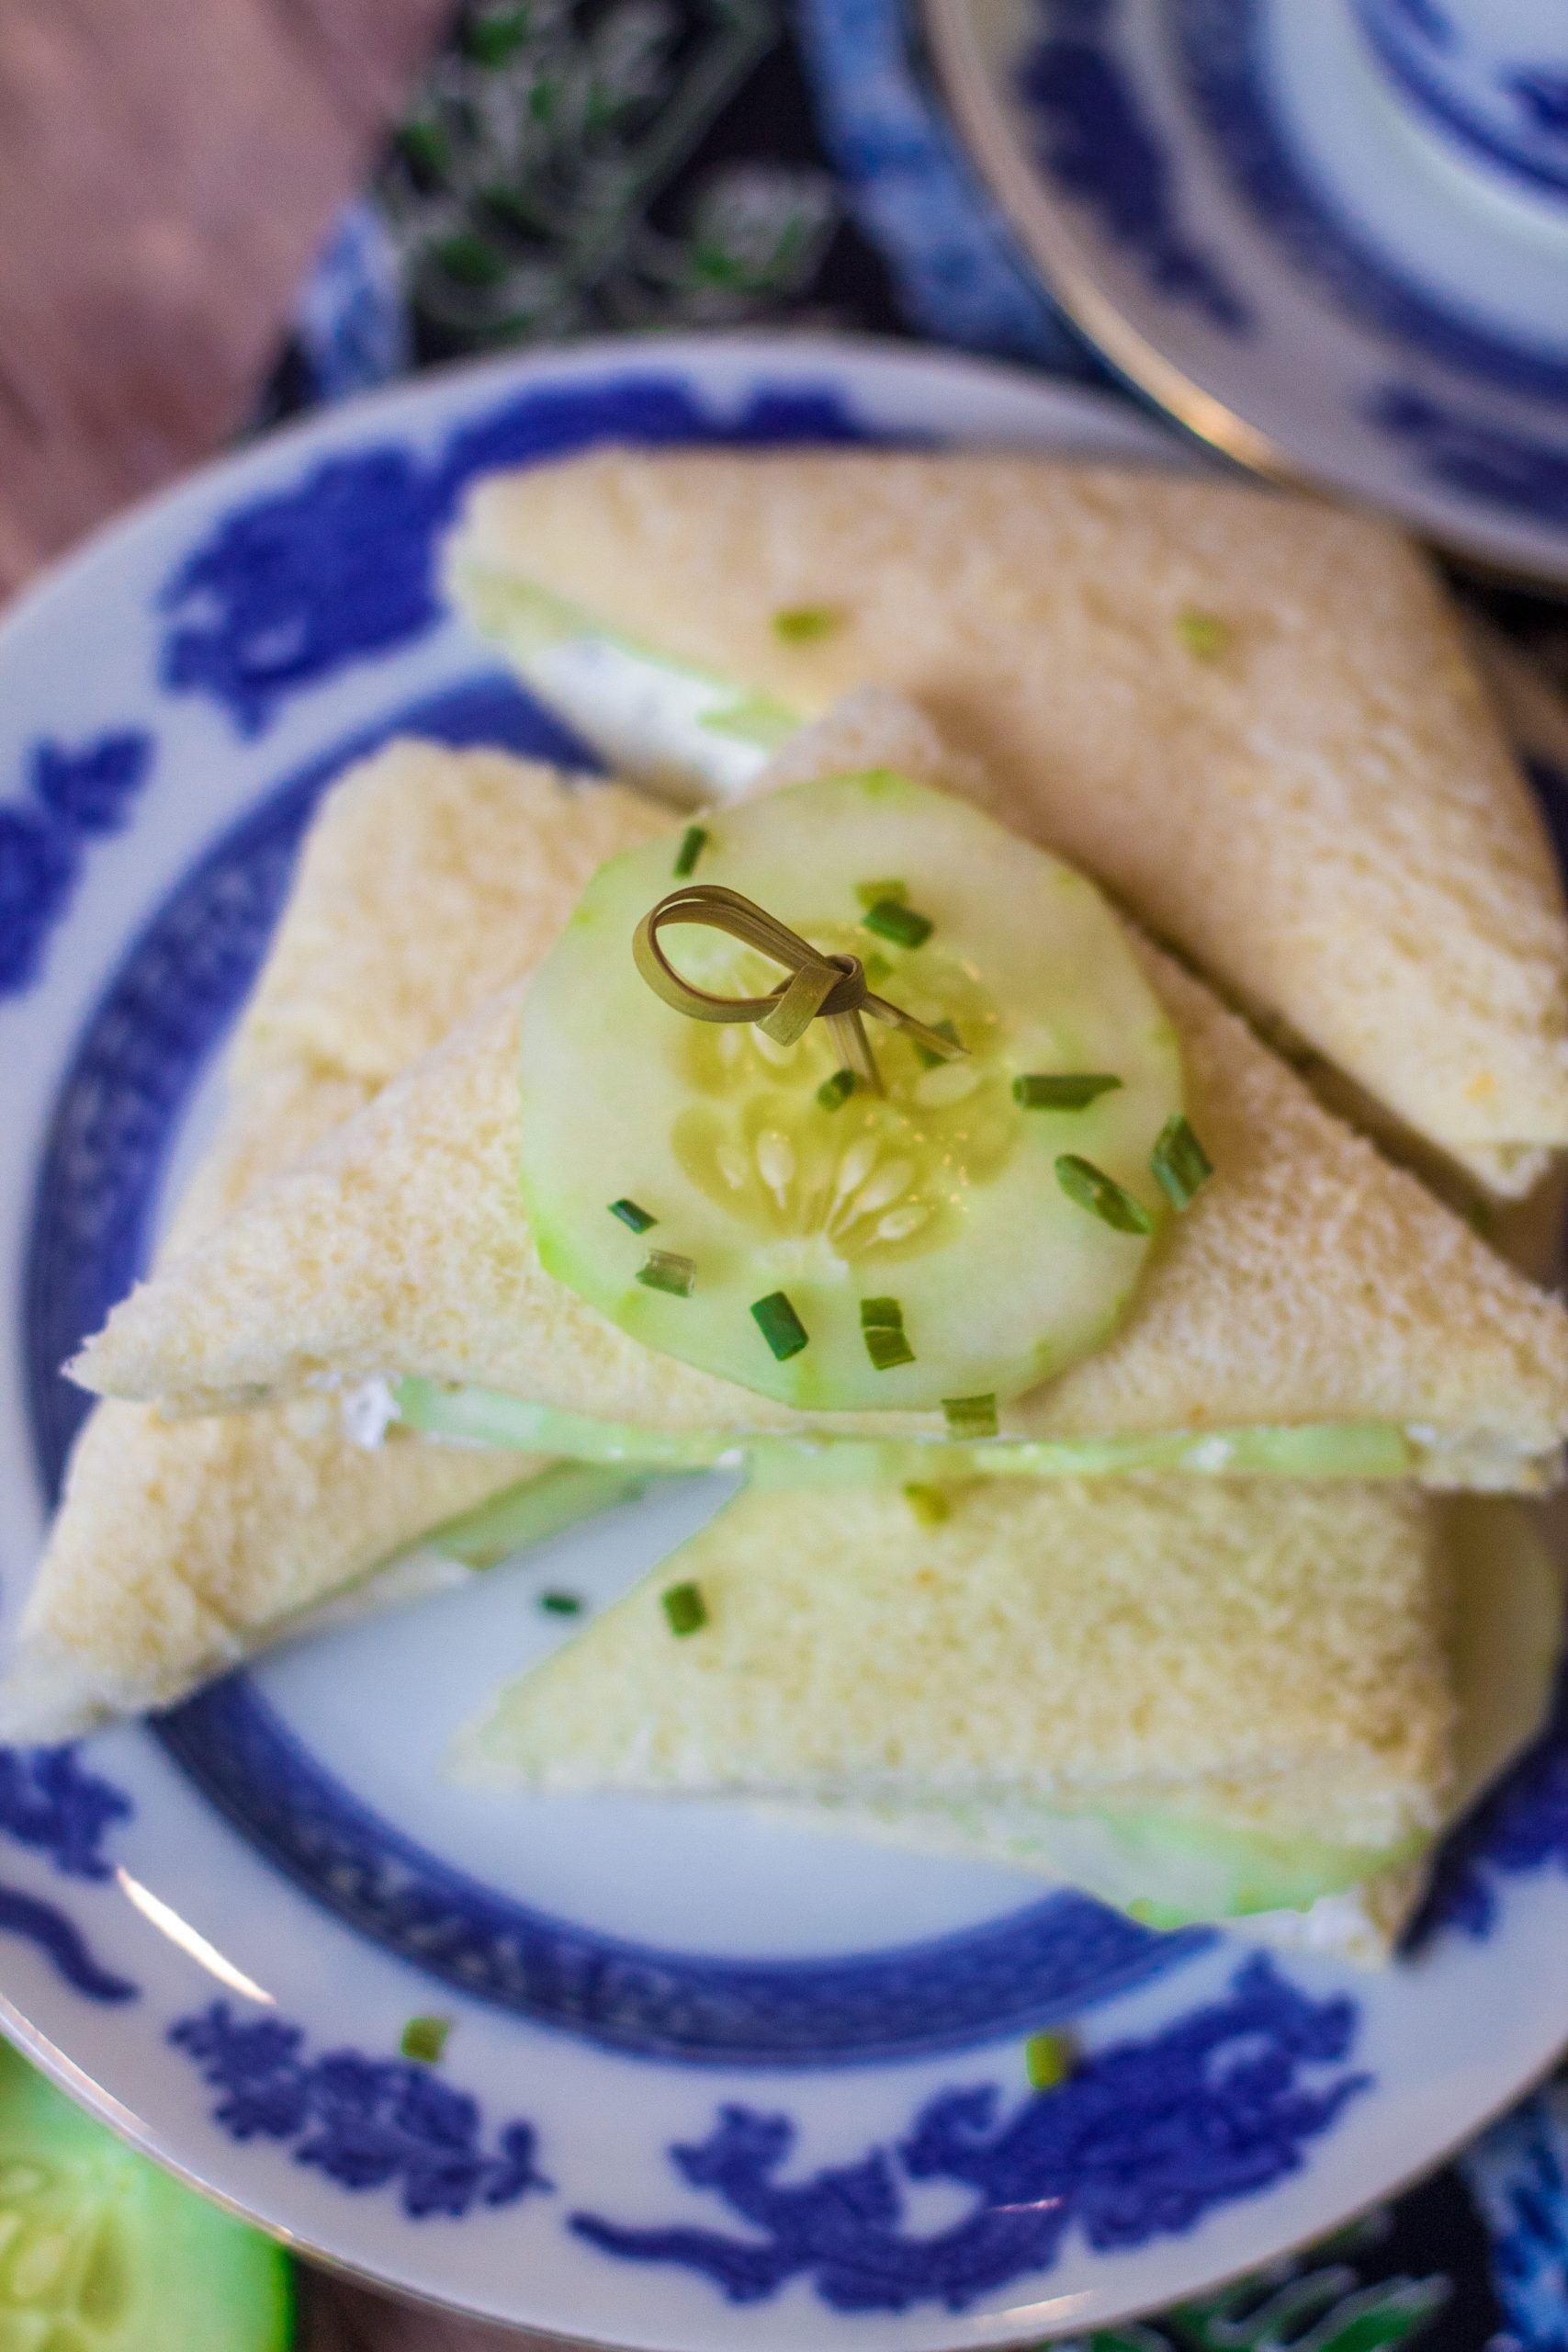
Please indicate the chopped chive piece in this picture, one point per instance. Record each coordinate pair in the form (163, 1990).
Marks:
(835, 1092)
(693, 841)
(930, 1504)
(560, 1605)
(877, 967)
(685, 1607)
(425, 2039)
(1101, 1195)
(924, 1054)
(667, 1269)
(1180, 1164)
(780, 1325)
(901, 924)
(887, 1344)
(970, 1416)
(886, 1311)
(1062, 1090)
(874, 894)
(1205, 635)
(798, 624)
(629, 1214)
(1048, 2060)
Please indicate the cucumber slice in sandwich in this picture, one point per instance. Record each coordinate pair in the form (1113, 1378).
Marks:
(686, 732)
(977, 1229)
(102, 2252)
(487, 1416)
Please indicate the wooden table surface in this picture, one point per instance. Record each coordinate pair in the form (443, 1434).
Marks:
(168, 169)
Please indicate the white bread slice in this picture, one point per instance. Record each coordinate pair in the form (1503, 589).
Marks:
(1322, 812)
(428, 875)
(1266, 1660)
(1310, 1282)
(429, 879)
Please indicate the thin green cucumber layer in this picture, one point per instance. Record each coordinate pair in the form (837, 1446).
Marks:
(534, 1511)
(1359, 1450)
(102, 2252)
(1169, 1868)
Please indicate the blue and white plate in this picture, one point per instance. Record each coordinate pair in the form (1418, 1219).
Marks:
(710, 2085)
(1228, 198)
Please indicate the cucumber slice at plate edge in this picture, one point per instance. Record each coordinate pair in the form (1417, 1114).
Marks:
(101, 2251)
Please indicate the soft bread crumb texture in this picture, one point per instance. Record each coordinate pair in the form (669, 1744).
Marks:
(1310, 1281)
(1267, 1658)
(429, 879)
(179, 1544)
(1323, 813)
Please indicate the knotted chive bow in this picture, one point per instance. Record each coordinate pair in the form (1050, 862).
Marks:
(819, 987)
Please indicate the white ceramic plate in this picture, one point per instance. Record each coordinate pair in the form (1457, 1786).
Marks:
(1226, 199)
(710, 2085)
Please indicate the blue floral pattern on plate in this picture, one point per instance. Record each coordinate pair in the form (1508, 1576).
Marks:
(72, 797)
(1098, 145)
(1144, 2138)
(365, 2122)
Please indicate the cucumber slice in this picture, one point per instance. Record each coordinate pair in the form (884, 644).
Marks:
(534, 1511)
(1168, 1868)
(102, 2252)
(944, 1199)
(1315, 1449)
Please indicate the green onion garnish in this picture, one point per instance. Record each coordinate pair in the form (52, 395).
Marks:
(629, 1214)
(970, 1416)
(877, 967)
(872, 894)
(1048, 2060)
(693, 841)
(1205, 635)
(924, 1054)
(1180, 1164)
(1101, 1195)
(930, 1504)
(560, 1605)
(882, 1328)
(667, 1269)
(425, 2039)
(780, 1325)
(1063, 1090)
(835, 1092)
(685, 1607)
(798, 624)
(899, 923)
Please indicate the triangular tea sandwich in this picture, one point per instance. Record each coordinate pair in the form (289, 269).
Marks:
(1250, 715)
(1197, 1699)
(429, 878)
(1316, 1311)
